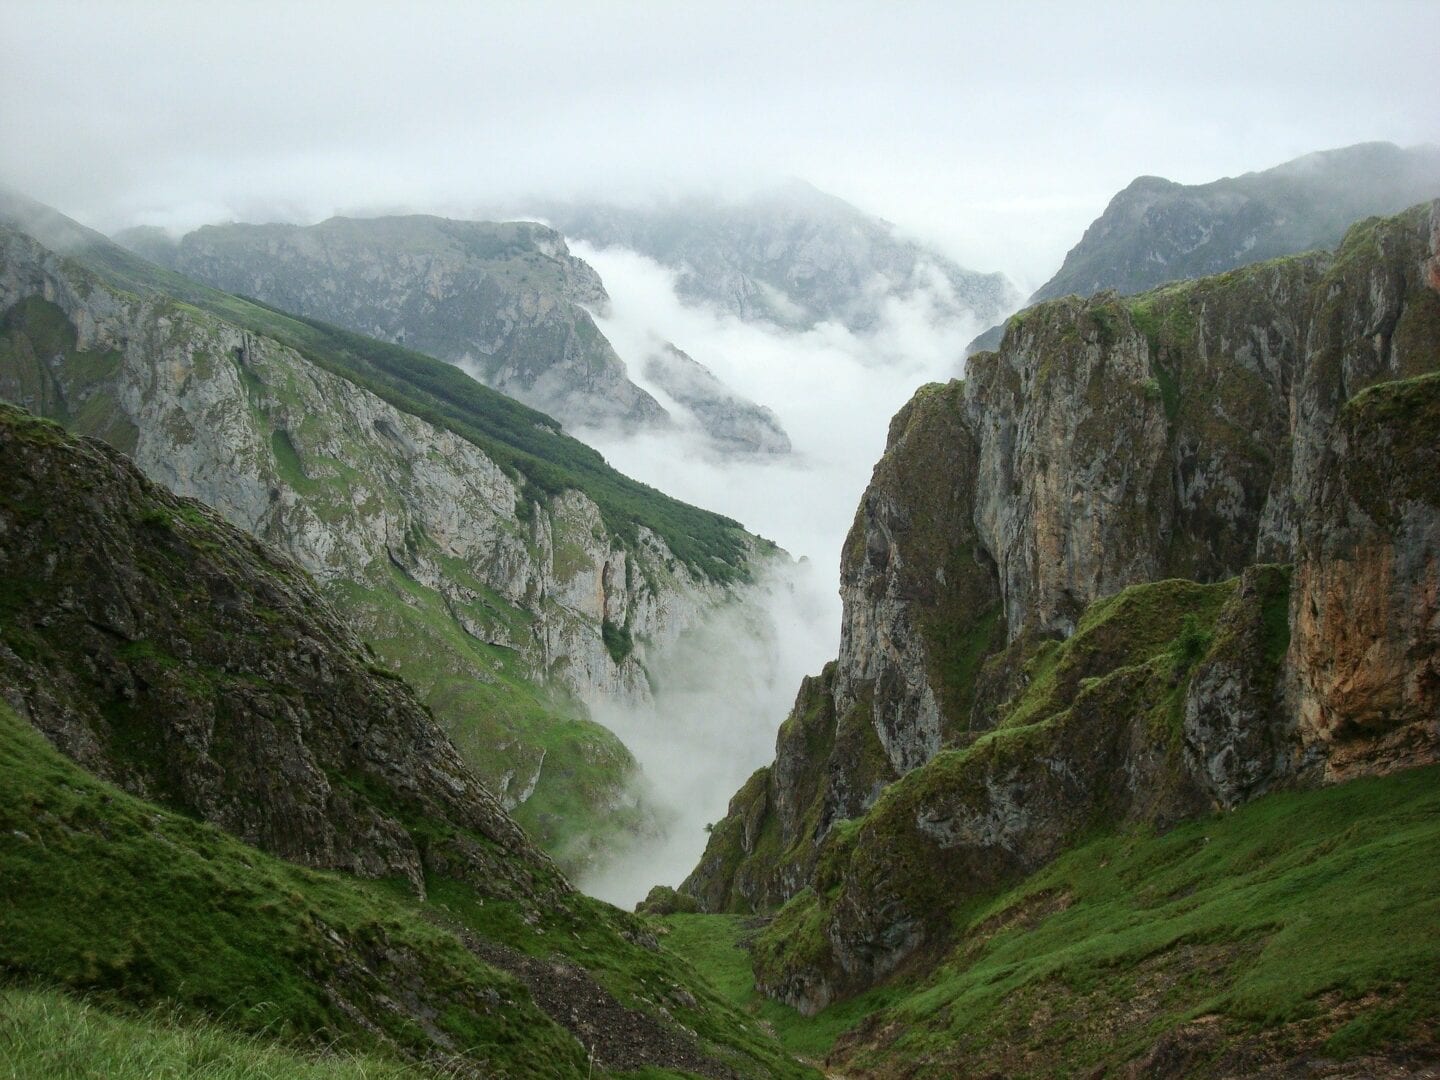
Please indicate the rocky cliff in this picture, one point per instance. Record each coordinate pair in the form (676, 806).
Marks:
(1154, 556)
(1157, 230)
(505, 300)
(791, 255)
(482, 586)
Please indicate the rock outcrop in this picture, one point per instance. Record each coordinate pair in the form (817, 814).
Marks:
(183, 659)
(504, 300)
(1067, 598)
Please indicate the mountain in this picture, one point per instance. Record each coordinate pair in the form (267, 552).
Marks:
(1157, 230)
(506, 301)
(503, 568)
(733, 423)
(1156, 558)
(792, 255)
(226, 719)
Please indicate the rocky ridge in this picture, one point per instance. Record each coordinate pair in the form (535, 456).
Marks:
(1157, 230)
(733, 424)
(1022, 657)
(505, 300)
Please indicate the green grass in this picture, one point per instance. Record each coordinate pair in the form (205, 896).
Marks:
(50, 1034)
(140, 908)
(1298, 895)
(112, 896)
(717, 948)
(1293, 907)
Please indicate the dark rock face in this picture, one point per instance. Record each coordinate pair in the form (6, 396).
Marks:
(506, 300)
(1017, 638)
(186, 661)
(1157, 230)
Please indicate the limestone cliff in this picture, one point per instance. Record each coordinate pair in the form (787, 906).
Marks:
(481, 586)
(1018, 645)
(506, 300)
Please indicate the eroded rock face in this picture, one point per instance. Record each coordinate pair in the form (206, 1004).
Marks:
(1199, 432)
(195, 666)
(506, 300)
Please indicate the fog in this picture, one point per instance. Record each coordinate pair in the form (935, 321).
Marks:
(997, 131)
(724, 691)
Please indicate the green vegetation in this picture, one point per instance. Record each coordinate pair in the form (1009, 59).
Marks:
(618, 642)
(1312, 909)
(115, 897)
(1308, 919)
(47, 1033)
(718, 948)
(142, 908)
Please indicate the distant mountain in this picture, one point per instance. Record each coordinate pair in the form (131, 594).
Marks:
(505, 300)
(1157, 230)
(793, 256)
(732, 422)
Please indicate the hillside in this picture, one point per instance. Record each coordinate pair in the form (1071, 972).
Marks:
(181, 660)
(1156, 557)
(501, 566)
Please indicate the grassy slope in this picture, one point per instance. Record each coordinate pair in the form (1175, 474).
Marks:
(1314, 913)
(52, 1034)
(112, 896)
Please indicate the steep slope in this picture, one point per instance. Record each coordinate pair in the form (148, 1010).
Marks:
(1157, 230)
(199, 669)
(1016, 646)
(791, 255)
(505, 300)
(494, 561)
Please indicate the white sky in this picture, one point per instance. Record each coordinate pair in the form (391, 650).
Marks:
(997, 131)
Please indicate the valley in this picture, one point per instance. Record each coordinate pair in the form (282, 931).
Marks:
(638, 641)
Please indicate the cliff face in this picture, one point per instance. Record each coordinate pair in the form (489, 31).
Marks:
(476, 584)
(1157, 230)
(1013, 646)
(505, 300)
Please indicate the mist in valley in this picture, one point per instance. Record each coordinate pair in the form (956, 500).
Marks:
(723, 691)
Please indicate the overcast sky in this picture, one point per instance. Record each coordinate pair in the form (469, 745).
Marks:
(997, 130)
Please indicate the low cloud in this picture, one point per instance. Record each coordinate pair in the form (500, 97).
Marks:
(724, 690)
